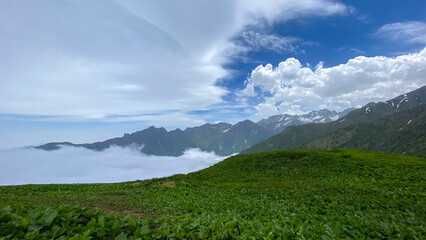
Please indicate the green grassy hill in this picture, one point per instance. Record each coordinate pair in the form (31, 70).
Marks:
(297, 194)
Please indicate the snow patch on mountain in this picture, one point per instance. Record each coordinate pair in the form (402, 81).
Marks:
(404, 99)
(277, 123)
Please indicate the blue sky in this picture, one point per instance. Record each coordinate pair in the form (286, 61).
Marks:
(84, 71)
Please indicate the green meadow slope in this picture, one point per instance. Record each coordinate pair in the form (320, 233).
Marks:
(296, 194)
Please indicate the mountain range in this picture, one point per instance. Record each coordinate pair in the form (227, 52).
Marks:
(375, 126)
(222, 138)
(278, 123)
(372, 127)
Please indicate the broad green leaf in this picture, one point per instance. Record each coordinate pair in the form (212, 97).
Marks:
(122, 236)
(49, 217)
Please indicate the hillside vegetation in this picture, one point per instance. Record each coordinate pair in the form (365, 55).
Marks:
(401, 132)
(297, 194)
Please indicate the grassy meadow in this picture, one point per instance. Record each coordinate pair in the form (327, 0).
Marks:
(294, 194)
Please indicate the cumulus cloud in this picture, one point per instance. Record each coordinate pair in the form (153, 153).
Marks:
(293, 88)
(410, 32)
(79, 165)
(94, 59)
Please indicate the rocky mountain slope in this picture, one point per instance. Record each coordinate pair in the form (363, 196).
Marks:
(278, 123)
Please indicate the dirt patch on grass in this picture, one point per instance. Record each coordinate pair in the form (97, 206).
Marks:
(109, 204)
(168, 184)
(122, 212)
(123, 209)
(136, 183)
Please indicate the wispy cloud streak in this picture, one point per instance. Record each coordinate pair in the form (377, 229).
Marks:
(409, 32)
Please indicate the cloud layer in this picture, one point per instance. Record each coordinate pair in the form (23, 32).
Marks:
(293, 88)
(93, 59)
(96, 59)
(79, 165)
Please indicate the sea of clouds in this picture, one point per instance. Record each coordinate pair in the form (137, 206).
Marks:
(80, 165)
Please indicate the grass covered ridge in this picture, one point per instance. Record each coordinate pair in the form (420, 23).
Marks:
(297, 194)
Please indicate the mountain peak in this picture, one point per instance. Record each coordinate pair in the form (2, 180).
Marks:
(155, 128)
(278, 123)
(244, 122)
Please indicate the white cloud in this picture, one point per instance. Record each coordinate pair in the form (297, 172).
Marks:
(292, 88)
(349, 49)
(257, 41)
(410, 32)
(266, 109)
(280, 11)
(79, 165)
(92, 59)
